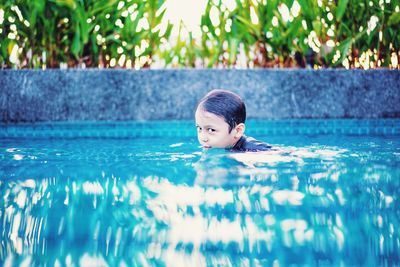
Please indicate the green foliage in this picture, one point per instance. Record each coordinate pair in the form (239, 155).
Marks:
(350, 33)
(249, 33)
(103, 33)
(184, 52)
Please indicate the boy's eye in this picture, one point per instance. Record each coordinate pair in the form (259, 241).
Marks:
(210, 130)
(198, 128)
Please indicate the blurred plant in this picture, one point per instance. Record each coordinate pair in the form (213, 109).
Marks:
(181, 51)
(218, 45)
(235, 33)
(105, 33)
(276, 31)
(290, 33)
(254, 33)
(367, 33)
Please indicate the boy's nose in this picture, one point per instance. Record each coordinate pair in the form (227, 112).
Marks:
(203, 138)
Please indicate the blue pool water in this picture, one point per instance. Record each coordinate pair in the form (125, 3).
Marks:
(145, 194)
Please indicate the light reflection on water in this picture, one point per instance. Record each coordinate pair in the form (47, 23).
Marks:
(161, 202)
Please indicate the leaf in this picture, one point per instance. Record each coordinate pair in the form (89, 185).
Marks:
(250, 25)
(289, 3)
(160, 16)
(341, 8)
(306, 8)
(38, 8)
(82, 21)
(168, 31)
(10, 47)
(271, 7)
(76, 44)
(394, 19)
(4, 47)
(294, 28)
(39, 5)
(101, 6)
(317, 26)
(214, 59)
(68, 3)
(138, 17)
(233, 45)
(343, 49)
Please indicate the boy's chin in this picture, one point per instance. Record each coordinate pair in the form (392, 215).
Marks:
(213, 147)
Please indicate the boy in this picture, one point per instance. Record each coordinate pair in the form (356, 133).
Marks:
(220, 121)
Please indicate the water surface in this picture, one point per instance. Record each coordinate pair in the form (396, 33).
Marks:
(320, 200)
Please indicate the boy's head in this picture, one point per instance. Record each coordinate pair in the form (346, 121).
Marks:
(220, 118)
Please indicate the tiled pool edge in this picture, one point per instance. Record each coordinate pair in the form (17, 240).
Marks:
(185, 128)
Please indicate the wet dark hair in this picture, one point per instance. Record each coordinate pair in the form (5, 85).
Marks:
(225, 104)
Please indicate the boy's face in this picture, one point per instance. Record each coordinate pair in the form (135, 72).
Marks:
(213, 130)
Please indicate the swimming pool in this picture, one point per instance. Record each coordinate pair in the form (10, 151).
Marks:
(145, 194)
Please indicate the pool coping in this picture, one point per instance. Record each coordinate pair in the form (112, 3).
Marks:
(185, 128)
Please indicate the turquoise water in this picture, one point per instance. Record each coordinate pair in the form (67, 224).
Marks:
(113, 197)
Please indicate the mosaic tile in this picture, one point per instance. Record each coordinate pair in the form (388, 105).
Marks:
(186, 128)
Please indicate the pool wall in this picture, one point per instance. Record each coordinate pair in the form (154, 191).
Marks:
(92, 94)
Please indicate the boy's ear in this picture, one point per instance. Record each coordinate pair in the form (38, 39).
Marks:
(239, 130)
